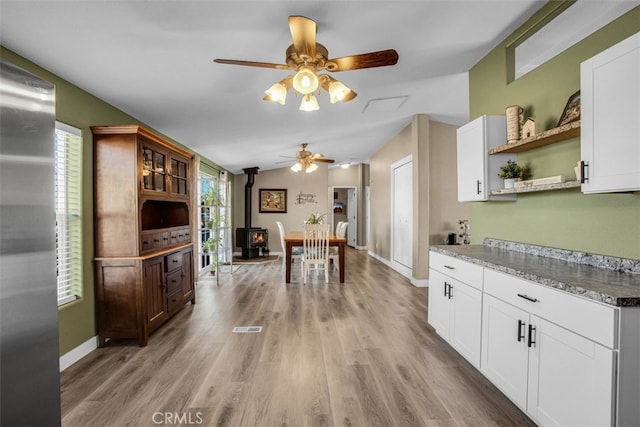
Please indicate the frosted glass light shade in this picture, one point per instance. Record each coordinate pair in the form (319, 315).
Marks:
(311, 168)
(276, 93)
(338, 91)
(296, 167)
(309, 103)
(305, 81)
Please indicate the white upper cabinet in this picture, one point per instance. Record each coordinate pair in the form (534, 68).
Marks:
(610, 98)
(477, 171)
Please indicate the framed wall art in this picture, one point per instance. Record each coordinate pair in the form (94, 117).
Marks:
(571, 111)
(273, 200)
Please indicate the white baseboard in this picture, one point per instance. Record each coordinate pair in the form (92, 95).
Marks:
(361, 248)
(78, 353)
(418, 283)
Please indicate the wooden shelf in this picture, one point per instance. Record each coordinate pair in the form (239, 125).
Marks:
(534, 188)
(551, 136)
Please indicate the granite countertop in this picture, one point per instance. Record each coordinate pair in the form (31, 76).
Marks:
(613, 281)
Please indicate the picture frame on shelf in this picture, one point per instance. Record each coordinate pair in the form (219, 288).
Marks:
(571, 112)
(273, 200)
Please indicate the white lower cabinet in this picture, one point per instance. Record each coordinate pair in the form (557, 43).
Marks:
(455, 310)
(505, 355)
(557, 377)
(571, 378)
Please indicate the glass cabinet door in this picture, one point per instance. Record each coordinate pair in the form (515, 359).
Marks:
(178, 177)
(153, 170)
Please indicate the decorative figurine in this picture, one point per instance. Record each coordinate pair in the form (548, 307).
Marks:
(529, 128)
(465, 234)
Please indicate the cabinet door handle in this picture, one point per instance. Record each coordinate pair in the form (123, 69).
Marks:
(520, 331)
(530, 340)
(446, 285)
(478, 186)
(528, 298)
(450, 289)
(583, 171)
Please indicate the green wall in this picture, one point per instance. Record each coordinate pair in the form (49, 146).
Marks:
(598, 223)
(77, 108)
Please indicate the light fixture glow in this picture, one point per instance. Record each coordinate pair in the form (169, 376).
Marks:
(276, 93)
(338, 91)
(345, 165)
(311, 168)
(309, 103)
(296, 167)
(305, 81)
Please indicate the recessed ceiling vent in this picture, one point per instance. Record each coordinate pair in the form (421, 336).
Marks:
(383, 105)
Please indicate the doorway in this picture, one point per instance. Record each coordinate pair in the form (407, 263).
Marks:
(345, 208)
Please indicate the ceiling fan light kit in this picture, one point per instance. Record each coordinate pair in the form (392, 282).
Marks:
(306, 57)
(307, 160)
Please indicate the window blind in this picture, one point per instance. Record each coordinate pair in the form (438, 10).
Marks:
(68, 199)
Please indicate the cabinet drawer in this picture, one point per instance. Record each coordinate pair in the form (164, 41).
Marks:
(590, 319)
(464, 271)
(174, 282)
(174, 302)
(174, 261)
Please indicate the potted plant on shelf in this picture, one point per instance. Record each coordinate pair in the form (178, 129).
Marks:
(510, 172)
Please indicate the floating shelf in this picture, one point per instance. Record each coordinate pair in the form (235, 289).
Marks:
(534, 188)
(551, 136)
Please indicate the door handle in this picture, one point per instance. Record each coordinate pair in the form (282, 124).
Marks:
(583, 172)
(478, 186)
(530, 340)
(528, 298)
(520, 330)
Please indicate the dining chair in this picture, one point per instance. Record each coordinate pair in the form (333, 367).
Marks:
(315, 254)
(334, 256)
(296, 251)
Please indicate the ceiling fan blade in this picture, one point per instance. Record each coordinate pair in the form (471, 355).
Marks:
(252, 64)
(381, 58)
(303, 34)
(324, 160)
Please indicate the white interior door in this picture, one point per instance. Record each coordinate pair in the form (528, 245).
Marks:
(402, 215)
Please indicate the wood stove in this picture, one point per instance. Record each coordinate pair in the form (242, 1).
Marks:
(250, 239)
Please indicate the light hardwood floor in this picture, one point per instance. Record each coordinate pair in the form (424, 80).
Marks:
(354, 354)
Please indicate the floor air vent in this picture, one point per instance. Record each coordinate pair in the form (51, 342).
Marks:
(247, 329)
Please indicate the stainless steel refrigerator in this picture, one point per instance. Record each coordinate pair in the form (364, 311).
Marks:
(29, 359)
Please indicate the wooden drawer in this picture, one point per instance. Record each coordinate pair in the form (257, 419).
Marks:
(174, 302)
(593, 320)
(174, 282)
(173, 261)
(464, 271)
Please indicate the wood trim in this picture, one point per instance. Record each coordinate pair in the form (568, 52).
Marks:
(142, 131)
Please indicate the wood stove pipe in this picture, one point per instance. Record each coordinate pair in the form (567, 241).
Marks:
(251, 173)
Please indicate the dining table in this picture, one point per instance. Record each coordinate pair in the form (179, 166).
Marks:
(295, 238)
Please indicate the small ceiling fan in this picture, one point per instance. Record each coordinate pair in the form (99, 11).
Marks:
(307, 160)
(307, 58)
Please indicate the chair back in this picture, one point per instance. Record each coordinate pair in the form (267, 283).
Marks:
(316, 243)
(341, 229)
(281, 229)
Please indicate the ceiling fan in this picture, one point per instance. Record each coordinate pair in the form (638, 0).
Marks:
(307, 57)
(308, 160)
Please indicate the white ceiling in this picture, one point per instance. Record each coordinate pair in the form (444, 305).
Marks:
(154, 60)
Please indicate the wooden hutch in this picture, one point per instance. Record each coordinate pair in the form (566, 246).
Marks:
(144, 199)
